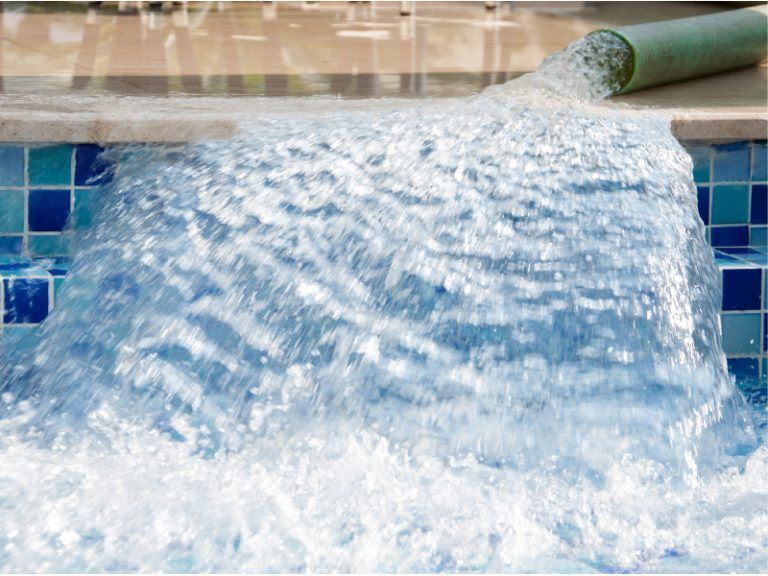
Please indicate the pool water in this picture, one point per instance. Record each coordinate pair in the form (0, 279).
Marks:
(477, 335)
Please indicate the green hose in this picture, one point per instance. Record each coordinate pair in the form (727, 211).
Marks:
(675, 50)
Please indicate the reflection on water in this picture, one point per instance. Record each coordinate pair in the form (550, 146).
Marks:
(355, 50)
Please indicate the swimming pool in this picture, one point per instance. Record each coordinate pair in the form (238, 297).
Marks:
(477, 335)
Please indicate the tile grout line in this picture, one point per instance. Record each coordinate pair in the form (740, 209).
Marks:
(25, 240)
(711, 159)
(749, 197)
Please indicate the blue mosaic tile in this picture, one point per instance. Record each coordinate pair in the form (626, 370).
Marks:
(702, 193)
(11, 211)
(90, 168)
(744, 367)
(18, 267)
(50, 165)
(11, 245)
(730, 235)
(25, 300)
(11, 166)
(10, 264)
(726, 261)
(85, 206)
(765, 289)
(57, 266)
(48, 210)
(747, 254)
(38, 194)
(730, 204)
(742, 288)
(701, 163)
(759, 161)
(758, 236)
(741, 334)
(731, 162)
(759, 209)
(57, 283)
(48, 245)
(19, 337)
(753, 389)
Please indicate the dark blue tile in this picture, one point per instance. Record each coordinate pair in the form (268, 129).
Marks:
(48, 210)
(90, 168)
(11, 245)
(26, 300)
(56, 266)
(703, 199)
(743, 367)
(759, 209)
(765, 332)
(741, 289)
(731, 162)
(15, 264)
(730, 235)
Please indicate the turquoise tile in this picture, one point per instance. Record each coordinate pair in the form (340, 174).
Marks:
(11, 166)
(57, 282)
(730, 204)
(48, 245)
(731, 162)
(23, 338)
(759, 161)
(758, 236)
(724, 260)
(11, 211)
(702, 158)
(50, 165)
(85, 206)
(11, 245)
(741, 334)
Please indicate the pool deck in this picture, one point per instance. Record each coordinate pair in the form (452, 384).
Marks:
(122, 72)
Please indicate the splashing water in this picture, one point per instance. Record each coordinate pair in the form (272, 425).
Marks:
(471, 335)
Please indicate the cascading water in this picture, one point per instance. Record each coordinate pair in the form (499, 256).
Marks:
(468, 335)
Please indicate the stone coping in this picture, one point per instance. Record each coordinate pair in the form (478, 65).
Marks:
(109, 119)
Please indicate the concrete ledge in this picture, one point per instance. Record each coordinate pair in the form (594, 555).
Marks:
(719, 126)
(108, 119)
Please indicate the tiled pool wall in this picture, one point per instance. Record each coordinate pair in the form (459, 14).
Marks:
(45, 189)
(732, 188)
